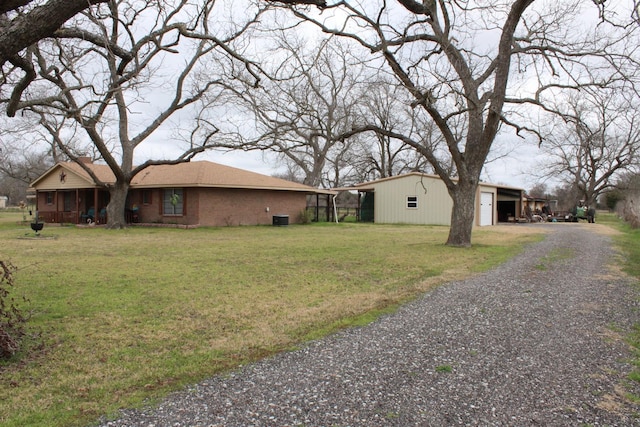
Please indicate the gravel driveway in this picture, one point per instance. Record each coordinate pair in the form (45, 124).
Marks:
(534, 342)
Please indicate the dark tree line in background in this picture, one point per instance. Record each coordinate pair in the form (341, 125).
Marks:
(372, 89)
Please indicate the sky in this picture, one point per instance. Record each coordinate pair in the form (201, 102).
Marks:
(515, 169)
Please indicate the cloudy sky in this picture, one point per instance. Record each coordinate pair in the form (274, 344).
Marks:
(517, 168)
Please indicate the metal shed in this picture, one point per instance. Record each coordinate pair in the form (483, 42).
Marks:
(417, 198)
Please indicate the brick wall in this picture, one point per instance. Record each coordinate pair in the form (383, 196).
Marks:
(224, 207)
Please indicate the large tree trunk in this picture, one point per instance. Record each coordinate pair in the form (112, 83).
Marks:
(116, 208)
(463, 213)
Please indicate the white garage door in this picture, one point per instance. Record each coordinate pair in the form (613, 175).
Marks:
(486, 208)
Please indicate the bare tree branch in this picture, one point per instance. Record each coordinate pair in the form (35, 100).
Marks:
(41, 22)
(107, 79)
(464, 83)
(320, 3)
(310, 99)
(598, 140)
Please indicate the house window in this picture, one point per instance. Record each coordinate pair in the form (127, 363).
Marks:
(412, 202)
(146, 197)
(69, 201)
(172, 201)
(49, 196)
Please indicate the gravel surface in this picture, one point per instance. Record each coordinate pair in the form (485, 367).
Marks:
(537, 341)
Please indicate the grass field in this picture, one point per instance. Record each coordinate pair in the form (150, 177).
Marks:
(121, 318)
(629, 243)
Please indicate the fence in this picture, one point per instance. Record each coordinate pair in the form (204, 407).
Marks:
(322, 214)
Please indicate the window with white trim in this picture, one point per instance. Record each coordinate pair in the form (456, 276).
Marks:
(412, 202)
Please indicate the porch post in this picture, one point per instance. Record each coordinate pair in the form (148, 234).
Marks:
(96, 209)
(77, 206)
(317, 207)
(55, 201)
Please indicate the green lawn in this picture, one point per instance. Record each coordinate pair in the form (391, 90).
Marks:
(127, 316)
(629, 243)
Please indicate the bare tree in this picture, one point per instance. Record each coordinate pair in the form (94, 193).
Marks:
(598, 141)
(461, 62)
(25, 22)
(138, 66)
(538, 190)
(378, 155)
(18, 171)
(566, 195)
(20, 163)
(303, 109)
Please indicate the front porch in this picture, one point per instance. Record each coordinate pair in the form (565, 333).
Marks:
(78, 206)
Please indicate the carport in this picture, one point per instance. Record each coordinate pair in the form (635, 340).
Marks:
(509, 204)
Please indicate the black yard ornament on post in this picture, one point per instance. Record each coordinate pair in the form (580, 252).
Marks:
(37, 225)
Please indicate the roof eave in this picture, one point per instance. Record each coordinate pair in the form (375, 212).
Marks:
(236, 187)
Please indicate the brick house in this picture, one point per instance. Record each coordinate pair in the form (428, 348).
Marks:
(197, 193)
